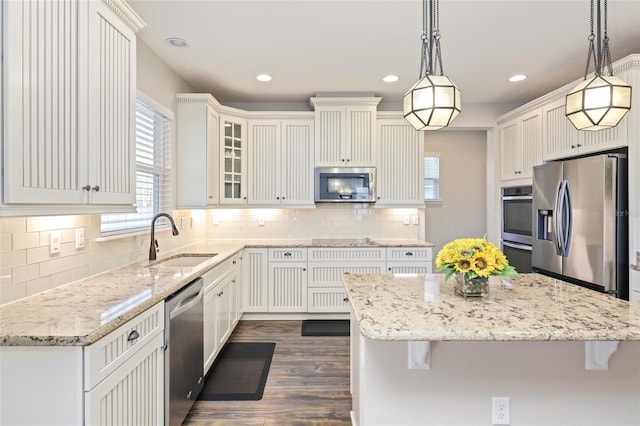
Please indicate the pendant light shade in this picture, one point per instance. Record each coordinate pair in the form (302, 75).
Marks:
(602, 101)
(434, 101)
(598, 103)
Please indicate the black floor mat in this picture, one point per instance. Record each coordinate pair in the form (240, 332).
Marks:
(325, 327)
(239, 373)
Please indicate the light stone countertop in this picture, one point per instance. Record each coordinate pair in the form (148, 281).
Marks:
(393, 307)
(82, 312)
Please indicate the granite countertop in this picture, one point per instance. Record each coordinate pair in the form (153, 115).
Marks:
(82, 312)
(393, 307)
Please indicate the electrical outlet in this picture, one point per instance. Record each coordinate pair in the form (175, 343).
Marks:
(500, 411)
(261, 221)
(416, 220)
(215, 221)
(405, 220)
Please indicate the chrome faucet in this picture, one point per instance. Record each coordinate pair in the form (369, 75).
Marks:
(154, 244)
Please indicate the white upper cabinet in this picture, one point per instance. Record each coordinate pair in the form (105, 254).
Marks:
(280, 156)
(69, 106)
(521, 145)
(345, 131)
(198, 153)
(233, 161)
(400, 171)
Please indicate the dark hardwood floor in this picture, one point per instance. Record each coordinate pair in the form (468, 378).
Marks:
(308, 382)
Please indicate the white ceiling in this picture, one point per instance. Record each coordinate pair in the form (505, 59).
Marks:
(347, 46)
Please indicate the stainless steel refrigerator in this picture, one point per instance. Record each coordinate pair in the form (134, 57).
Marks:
(580, 222)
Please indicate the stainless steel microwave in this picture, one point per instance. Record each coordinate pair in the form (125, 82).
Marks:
(345, 184)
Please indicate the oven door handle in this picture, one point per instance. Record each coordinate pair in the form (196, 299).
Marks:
(517, 197)
(517, 246)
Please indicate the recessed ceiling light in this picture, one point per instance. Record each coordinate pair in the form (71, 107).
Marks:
(263, 77)
(518, 77)
(177, 42)
(390, 78)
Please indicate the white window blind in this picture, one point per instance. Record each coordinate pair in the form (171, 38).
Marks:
(432, 176)
(153, 172)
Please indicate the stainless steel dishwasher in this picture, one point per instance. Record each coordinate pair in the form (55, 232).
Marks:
(183, 360)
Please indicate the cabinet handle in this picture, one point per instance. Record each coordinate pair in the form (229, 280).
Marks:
(220, 294)
(189, 395)
(96, 188)
(133, 335)
(409, 253)
(287, 254)
(346, 299)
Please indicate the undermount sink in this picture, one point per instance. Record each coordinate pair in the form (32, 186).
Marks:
(187, 260)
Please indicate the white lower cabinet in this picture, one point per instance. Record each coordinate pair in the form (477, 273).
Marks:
(409, 260)
(118, 380)
(134, 393)
(254, 279)
(124, 373)
(287, 281)
(221, 307)
(326, 267)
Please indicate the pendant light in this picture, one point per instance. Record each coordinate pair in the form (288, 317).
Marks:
(602, 101)
(434, 101)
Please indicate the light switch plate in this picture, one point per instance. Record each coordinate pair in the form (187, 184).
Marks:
(54, 242)
(79, 238)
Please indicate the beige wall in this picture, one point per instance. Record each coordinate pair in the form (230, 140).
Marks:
(463, 186)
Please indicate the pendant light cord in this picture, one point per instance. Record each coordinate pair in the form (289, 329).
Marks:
(430, 52)
(592, 51)
(606, 53)
(604, 58)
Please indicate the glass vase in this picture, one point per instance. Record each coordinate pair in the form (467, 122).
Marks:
(470, 287)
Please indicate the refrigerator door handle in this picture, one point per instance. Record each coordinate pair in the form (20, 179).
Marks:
(567, 219)
(557, 225)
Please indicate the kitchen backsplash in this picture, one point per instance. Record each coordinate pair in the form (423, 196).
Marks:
(27, 267)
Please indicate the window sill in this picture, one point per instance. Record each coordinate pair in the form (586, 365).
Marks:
(433, 203)
(119, 236)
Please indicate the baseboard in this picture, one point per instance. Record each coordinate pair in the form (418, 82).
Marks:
(279, 316)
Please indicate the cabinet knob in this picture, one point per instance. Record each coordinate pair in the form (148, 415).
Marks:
(133, 335)
(388, 269)
(573, 146)
(234, 262)
(96, 188)
(86, 188)
(346, 299)
(304, 269)
(579, 145)
(220, 294)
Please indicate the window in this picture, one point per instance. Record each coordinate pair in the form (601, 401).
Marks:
(432, 176)
(153, 170)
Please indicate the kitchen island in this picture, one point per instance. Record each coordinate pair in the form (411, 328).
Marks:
(422, 356)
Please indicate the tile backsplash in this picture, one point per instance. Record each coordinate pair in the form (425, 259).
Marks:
(27, 267)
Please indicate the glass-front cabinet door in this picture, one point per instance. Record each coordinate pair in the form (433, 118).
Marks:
(234, 160)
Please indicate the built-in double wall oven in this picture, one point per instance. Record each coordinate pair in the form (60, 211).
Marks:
(517, 224)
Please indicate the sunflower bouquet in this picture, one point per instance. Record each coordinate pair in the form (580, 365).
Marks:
(473, 257)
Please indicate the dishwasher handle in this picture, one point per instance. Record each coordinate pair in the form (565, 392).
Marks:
(185, 305)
